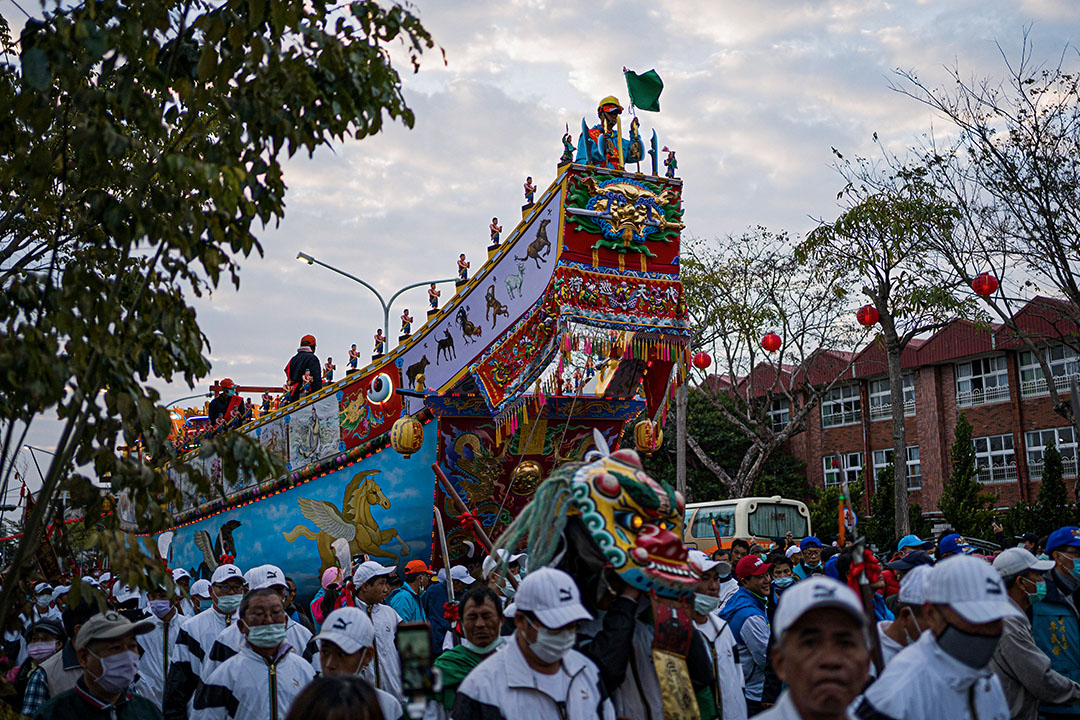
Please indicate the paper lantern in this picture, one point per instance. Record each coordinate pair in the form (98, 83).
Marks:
(771, 342)
(648, 437)
(984, 284)
(702, 360)
(867, 315)
(407, 436)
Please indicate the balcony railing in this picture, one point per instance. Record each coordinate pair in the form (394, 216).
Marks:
(982, 397)
(849, 417)
(884, 411)
(1068, 467)
(1037, 387)
(997, 473)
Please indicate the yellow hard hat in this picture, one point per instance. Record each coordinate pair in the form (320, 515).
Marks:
(610, 100)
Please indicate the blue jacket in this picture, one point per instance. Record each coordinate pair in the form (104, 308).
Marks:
(1056, 630)
(742, 605)
(803, 572)
(432, 601)
(407, 605)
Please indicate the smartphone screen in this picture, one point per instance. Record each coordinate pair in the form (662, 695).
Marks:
(414, 649)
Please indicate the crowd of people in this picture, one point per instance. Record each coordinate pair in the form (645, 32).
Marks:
(799, 631)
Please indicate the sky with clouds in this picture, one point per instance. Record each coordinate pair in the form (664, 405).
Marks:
(756, 95)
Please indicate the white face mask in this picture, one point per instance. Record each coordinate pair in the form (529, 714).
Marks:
(483, 649)
(551, 646)
(705, 604)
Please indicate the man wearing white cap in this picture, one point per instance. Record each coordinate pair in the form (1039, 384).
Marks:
(345, 646)
(819, 651)
(726, 671)
(946, 673)
(894, 635)
(188, 660)
(230, 640)
(1024, 670)
(491, 571)
(369, 585)
(436, 597)
(43, 605)
(182, 578)
(200, 595)
(538, 674)
(157, 645)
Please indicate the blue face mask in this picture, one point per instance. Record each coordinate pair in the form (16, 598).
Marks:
(1076, 568)
(784, 582)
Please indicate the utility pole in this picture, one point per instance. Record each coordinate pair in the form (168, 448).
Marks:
(680, 438)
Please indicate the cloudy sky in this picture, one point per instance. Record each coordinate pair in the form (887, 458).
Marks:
(756, 95)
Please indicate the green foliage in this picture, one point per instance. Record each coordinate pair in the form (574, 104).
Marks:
(1051, 510)
(880, 526)
(825, 513)
(1024, 517)
(143, 147)
(967, 507)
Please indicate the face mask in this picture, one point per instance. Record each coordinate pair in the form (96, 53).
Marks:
(973, 650)
(1040, 591)
(705, 604)
(41, 651)
(483, 649)
(912, 638)
(43, 601)
(229, 603)
(1076, 568)
(117, 671)
(160, 608)
(813, 566)
(784, 582)
(266, 636)
(551, 646)
(1042, 556)
(508, 590)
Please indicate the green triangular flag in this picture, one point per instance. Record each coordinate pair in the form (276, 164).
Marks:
(644, 89)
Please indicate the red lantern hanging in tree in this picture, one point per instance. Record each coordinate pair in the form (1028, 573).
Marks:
(702, 360)
(867, 315)
(984, 284)
(771, 342)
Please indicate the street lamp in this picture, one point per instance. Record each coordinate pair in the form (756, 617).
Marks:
(304, 257)
(189, 397)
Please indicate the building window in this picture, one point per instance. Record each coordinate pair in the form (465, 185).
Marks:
(841, 406)
(914, 466)
(779, 413)
(994, 458)
(1037, 441)
(881, 399)
(982, 381)
(1064, 366)
(845, 466)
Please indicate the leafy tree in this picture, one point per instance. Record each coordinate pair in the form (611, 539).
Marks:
(1055, 509)
(880, 526)
(142, 146)
(967, 507)
(825, 510)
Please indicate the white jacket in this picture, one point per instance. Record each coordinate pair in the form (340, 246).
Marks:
(385, 619)
(925, 682)
(230, 640)
(249, 686)
(726, 667)
(504, 686)
(197, 637)
(156, 648)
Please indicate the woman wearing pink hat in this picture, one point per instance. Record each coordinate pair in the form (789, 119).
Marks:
(334, 594)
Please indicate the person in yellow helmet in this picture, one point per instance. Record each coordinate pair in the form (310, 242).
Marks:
(598, 144)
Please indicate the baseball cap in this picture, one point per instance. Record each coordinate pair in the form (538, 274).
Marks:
(349, 628)
(42, 588)
(264, 576)
(60, 591)
(492, 561)
(368, 570)
(809, 541)
(225, 573)
(970, 587)
(814, 593)
(1028, 537)
(109, 625)
(1017, 560)
(953, 544)
(793, 550)
(87, 580)
(227, 383)
(417, 566)
(201, 588)
(125, 593)
(459, 572)
(751, 565)
(552, 597)
(1062, 537)
(913, 586)
(49, 625)
(914, 541)
(308, 340)
(701, 562)
(178, 573)
(912, 559)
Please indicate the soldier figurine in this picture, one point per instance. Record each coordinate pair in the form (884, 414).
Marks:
(433, 298)
(406, 323)
(380, 342)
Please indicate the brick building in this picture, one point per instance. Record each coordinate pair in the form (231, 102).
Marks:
(986, 372)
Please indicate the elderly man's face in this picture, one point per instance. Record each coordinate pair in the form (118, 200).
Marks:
(811, 556)
(824, 660)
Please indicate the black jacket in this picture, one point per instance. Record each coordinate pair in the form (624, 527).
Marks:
(301, 361)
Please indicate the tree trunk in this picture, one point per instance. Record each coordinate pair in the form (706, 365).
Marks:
(896, 397)
(680, 438)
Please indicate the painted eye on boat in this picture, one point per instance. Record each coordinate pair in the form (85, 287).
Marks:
(380, 389)
(629, 520)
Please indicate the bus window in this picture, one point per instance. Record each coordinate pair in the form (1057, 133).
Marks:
(773, 520)
(725, 522)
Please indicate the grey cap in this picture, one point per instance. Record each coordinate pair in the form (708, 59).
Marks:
(109, 625)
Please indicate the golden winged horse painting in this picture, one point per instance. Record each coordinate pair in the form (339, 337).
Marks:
(353, 523)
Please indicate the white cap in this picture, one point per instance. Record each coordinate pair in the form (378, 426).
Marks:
(552, 597)
(441, 575)
(459, 572)
(349, 628)
(42, 588)
(815, 593)
(265, 576)
(200, 588)
(87, 580)
(970, 587)
(701, 562)
(368, 570)
(178, 573)
(492, 561)
(224, 573)
(793, 550)
(913, 585)
(60, 590)
(1017, 560)
(125, 593)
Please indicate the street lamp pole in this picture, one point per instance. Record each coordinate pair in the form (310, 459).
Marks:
(189, 397)
(385, 305)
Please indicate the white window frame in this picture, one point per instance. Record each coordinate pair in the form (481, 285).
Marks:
(881, 398)
(1064, 366)
(883, 457)
(851, 464)
(841, 406)
(982, 381)
(995, 465)
(1035, 443)
(779, 413)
